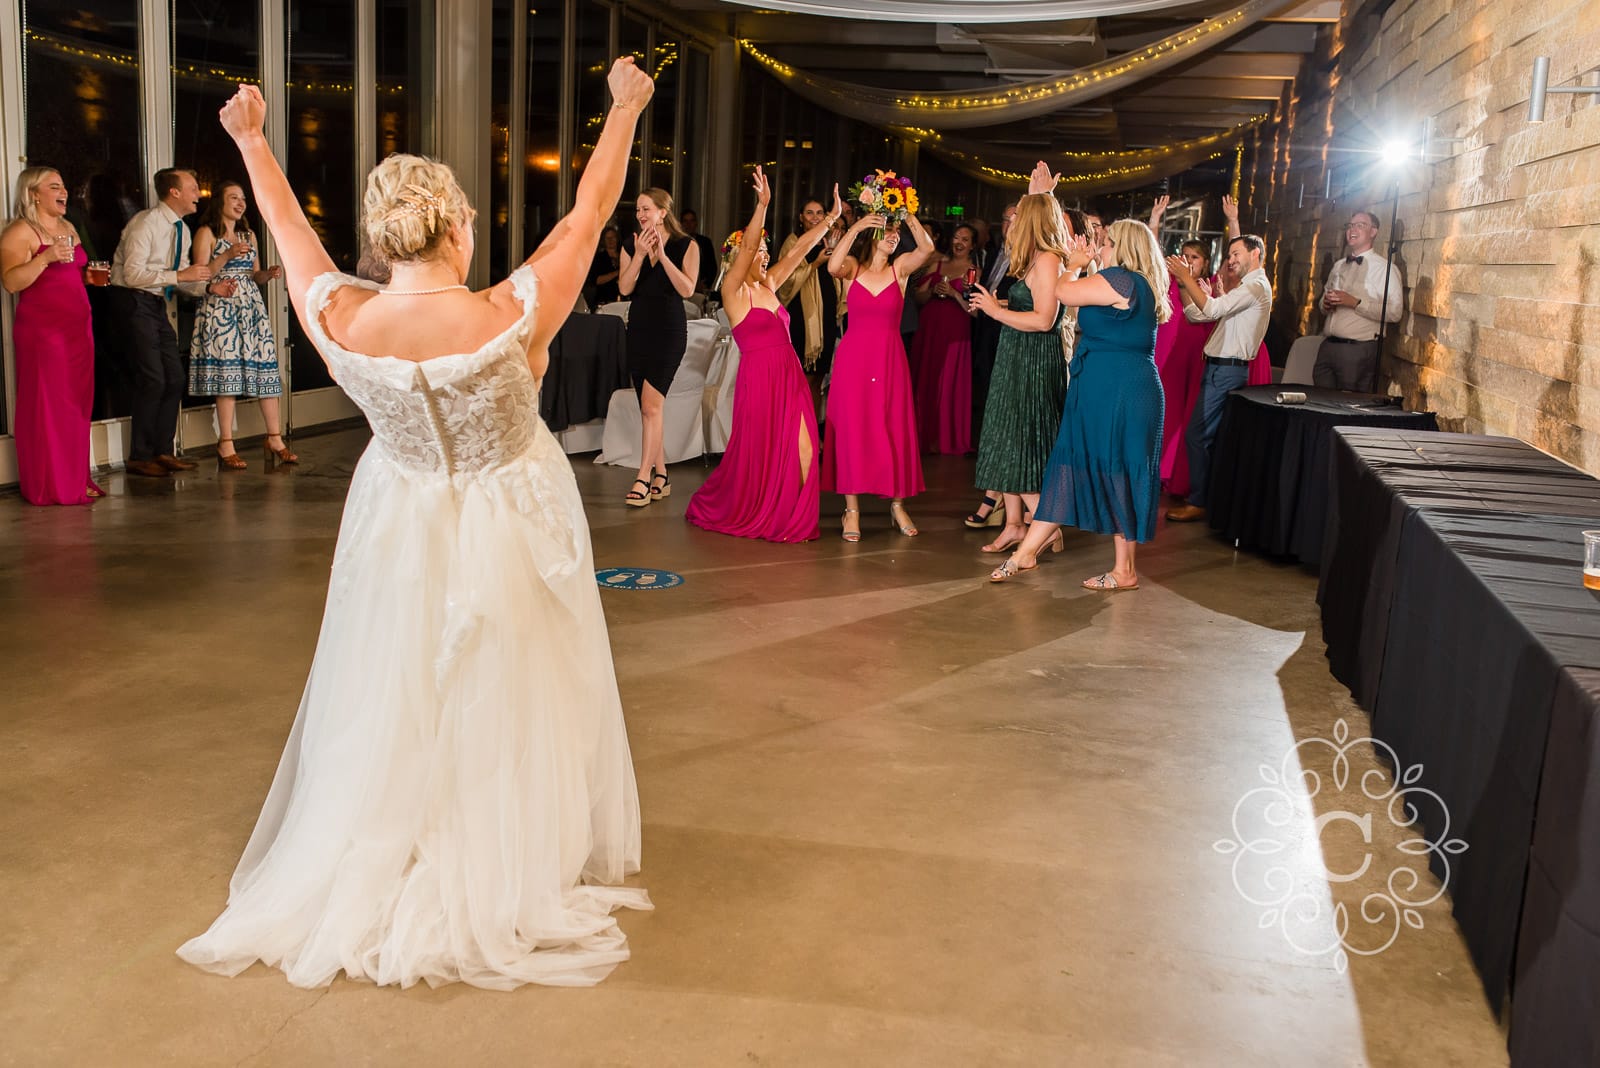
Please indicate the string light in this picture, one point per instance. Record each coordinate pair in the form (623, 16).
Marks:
(957, 107)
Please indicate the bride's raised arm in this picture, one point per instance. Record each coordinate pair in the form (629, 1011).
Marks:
(301, 251)
(563, 258)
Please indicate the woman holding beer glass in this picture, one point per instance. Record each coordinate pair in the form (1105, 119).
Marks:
(233, 353)
(941, 352)
(42, 260)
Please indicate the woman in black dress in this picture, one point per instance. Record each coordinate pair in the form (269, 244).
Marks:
(602, 282)
(659, 267)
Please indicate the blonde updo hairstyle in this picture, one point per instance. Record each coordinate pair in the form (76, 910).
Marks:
(410, 206)
(1135, 248)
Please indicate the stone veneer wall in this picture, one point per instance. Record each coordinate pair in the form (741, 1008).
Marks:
(1499, 232)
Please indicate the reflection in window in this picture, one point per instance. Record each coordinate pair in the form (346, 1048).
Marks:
(696, 134)
(541, 182)
(322, 144)
(593, 46)
(634, 40)
(500, 141)
(214, 48)
(404, 74)
(81, 112)
(667, 69)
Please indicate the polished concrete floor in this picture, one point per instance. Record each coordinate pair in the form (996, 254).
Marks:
(892, 814)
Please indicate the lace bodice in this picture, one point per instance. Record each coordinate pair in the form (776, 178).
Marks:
(460, 414)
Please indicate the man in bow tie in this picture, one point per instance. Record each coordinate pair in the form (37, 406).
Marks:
(1353, 303)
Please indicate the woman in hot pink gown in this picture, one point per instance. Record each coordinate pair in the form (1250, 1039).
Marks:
(871, 442)
(53, 339)
(941, 353)
(766, 485)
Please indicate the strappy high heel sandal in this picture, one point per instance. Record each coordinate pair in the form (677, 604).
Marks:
(231, 462)
(847, 534)
(995, 516)
(635, 499)
(907, 528)
(665, 489)
(280, 456)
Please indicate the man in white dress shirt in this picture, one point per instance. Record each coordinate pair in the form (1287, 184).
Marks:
(1241, 316)
(1353, 303)
(151, 264)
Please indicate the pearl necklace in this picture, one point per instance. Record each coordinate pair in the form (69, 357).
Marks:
(417, 292)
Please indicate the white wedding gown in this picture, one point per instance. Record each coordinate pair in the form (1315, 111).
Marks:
(457, 785)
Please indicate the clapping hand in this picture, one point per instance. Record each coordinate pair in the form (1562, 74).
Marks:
(1079, 253)
(1179, 268)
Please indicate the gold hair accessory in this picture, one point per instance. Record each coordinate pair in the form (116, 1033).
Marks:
(420, 203)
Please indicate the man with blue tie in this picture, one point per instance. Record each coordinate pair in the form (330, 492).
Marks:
(151, 265)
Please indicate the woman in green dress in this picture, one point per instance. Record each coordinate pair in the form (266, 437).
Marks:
(1029, 384)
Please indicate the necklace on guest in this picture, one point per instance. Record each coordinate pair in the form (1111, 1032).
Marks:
(418, 292)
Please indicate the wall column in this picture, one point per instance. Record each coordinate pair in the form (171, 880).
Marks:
(724, 193)
(464, 36)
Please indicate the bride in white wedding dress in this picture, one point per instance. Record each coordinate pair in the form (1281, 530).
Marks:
(457, 789)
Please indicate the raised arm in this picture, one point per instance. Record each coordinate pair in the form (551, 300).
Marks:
(1157, 213)
(843, 265)
(798, 252)
(733, 298)
(562, 260)
(1230, 212)
(299, 248)
(912, 262)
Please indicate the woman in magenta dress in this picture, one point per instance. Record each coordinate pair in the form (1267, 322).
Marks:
(871, 442)
(941, 353)
(43, 262)
(766, 485)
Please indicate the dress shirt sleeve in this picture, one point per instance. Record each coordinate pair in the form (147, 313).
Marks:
(1370, 300)
(1229, 304)
(138, 266)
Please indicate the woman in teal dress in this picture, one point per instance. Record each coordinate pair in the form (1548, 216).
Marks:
(1030, 368)
(1104, 474)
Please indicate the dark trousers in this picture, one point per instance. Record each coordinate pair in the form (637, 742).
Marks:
(1351, 365)
(157, 374)
(985, 342)
(1219, 380)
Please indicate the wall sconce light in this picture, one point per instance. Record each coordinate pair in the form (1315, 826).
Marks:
(1430, 138)
(1541, 86)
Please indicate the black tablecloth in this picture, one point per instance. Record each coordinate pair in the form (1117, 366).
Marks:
(1269, 479)
(1453, 605)
(1558, 951)
(588, 363)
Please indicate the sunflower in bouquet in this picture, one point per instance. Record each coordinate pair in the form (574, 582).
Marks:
(886, 193)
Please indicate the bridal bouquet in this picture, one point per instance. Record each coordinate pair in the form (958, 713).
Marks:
(885, 193)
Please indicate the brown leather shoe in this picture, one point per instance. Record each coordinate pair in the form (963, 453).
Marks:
(1186, 514)
(172, 463)
(147, 468)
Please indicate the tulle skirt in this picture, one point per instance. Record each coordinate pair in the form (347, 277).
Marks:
(457, 787)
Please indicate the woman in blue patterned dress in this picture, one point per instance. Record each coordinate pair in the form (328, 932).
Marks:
(233, 353)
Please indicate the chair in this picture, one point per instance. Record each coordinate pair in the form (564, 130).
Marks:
(684, 410)
(619, 308)
(719, 394)
(1302, 360)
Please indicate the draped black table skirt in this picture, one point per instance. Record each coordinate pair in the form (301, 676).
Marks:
(1453, 607)
(1269, 480)
(588, 363)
